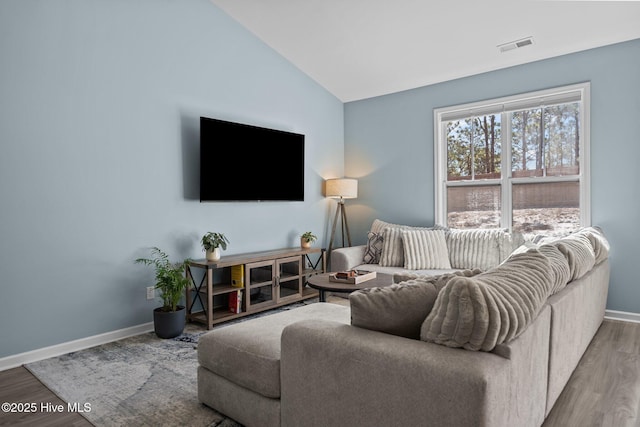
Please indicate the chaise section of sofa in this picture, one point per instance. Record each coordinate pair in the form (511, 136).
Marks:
(239, 365)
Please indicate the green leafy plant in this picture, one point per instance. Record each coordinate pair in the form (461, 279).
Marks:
(214, 240)
(309, 237)
(170, 277)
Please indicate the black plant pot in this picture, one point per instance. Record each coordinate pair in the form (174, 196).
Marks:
(169, 324)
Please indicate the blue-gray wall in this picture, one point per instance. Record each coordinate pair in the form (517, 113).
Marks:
(99, 109)
(389, 147)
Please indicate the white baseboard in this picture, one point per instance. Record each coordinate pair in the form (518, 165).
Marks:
(70, 346)
(622, 316)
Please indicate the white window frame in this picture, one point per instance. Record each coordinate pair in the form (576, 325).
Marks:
(505, 106)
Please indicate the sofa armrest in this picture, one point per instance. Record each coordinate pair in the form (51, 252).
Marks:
(335, 375)
(343, 259)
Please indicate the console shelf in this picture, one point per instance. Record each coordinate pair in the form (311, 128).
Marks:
(265, 280)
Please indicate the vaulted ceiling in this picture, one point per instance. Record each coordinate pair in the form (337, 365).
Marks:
(358, 49)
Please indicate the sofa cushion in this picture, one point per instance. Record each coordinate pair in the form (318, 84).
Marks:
(480, 248)
(401, 308)
(598, 241)
(479, 312)
(248, 353)
(402, 272)
(560, 272)
(579, 253)
(425, 249)
(374, 248)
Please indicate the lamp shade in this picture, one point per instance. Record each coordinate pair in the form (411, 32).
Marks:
(346, 188)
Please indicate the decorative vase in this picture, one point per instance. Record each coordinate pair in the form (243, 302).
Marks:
(305, 243)
(213, 254)
(169, 324)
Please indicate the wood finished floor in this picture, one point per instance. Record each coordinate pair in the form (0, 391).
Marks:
(18, 385)
(603, 391)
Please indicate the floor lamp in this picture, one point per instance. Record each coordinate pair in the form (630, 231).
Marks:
(341, 188)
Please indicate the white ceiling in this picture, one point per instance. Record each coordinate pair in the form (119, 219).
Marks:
(358, 49)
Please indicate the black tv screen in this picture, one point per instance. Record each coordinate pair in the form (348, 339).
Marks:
(239, 162)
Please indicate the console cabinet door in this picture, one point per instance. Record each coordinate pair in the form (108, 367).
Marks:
(289, 280)
(260, 284)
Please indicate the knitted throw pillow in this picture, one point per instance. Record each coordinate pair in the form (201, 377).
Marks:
(425, 249)
(392, 251)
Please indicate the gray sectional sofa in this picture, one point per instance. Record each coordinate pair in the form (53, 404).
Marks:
(489, 346)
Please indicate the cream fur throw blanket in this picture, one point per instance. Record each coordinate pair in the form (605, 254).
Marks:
(479, 312)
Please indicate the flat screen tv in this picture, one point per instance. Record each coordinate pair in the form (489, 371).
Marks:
(239, 162)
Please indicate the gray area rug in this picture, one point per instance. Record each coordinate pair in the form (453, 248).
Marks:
(138, 381)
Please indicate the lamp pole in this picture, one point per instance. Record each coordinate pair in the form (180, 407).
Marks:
(344, 225)
(341, 189)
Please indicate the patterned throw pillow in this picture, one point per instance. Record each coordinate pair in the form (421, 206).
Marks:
(373, 249)
(425, 249)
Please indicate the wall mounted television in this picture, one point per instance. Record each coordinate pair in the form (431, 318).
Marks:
(240, 162)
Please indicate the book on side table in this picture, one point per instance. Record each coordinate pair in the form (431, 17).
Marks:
(353, 276)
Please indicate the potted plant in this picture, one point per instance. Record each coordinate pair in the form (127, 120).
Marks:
(307, 239)
(212, 242)
(168, 320)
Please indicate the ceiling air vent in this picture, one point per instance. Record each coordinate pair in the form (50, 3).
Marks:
(515, 44)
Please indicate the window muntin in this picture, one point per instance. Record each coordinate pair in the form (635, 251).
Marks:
(539, 139)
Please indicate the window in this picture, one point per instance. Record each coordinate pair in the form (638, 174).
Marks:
(520, 162)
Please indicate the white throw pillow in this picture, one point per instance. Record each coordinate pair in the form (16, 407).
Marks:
(392, 251)
(476, 248)
(425, 249)
(378, 226)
